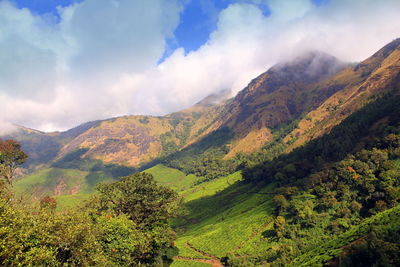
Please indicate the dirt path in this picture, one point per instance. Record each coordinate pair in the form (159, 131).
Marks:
(214, 261)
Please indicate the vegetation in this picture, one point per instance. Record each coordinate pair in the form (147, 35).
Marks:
(205, 158)
(124, 224)
(11, 156)
(332, 202)
(290, 209)
(173, 178)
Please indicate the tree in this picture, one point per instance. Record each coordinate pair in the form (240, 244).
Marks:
(11, 156)
(140, 198)
(133, 214)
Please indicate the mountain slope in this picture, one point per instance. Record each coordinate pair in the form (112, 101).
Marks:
(278, 96)
(286, 107)
(376, 75)
(318, 196)
(42, 147)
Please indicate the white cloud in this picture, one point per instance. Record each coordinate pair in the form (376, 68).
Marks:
(101, 59)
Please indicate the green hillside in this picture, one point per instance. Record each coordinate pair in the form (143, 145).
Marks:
(173, 178)
(318, 185)
(295, 212)
(52, 181)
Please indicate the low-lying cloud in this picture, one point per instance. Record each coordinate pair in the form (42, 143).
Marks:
(101, 58)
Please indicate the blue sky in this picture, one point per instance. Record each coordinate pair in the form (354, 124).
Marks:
(105, 58)
(198, 19)
(43, 6)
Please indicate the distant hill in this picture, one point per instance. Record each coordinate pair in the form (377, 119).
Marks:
(285, 107)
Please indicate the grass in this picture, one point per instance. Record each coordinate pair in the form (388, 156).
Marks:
(223, 222)
(173, 178)
(69, 186)
(210, 188)
(185, 251)
(71, 201)
(45, 181)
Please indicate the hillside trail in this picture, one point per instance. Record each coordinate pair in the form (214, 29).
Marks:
(214, 261)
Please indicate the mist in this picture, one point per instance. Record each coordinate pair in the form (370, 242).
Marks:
(104, 58)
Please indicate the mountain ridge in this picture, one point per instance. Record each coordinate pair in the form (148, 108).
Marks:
(309, 87)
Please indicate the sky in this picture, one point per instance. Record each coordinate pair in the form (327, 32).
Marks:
(66, 62)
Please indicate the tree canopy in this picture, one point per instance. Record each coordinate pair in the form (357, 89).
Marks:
(11, 156)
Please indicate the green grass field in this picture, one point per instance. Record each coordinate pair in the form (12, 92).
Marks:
(50, 181)
(211, 187)
(69, 186)
(71, 201)
(225, 219)
(173, 178)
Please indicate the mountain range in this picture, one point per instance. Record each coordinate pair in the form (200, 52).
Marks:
(261, 173)
(315, 89)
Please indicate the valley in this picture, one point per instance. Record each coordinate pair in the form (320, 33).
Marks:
(300, 168)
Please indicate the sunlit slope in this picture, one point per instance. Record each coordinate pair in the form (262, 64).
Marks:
(359, 85)
(53, 182)
(226, 221)
(136, 140)
(238, 223)
(172, 177)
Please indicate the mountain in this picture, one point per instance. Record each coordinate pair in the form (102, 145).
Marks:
(301, 168)
(285, 107)
(333, 201)
(42, 147)
(280, 95)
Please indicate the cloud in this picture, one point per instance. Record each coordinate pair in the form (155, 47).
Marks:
(56, 75)
(100, 60)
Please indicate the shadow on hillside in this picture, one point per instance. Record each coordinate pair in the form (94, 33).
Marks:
(215, 140)
(332, 147)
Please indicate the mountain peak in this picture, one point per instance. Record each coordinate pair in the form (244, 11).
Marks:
(215, 98)
(310, 66)
(387, 49)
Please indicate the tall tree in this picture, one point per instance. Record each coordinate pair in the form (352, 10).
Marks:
(11, 156)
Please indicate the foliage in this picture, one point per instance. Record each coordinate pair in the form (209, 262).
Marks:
(204, 158)
(125, 224)
(314, 201)
(44, 238)
(140, 198)
(11, 156)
